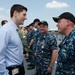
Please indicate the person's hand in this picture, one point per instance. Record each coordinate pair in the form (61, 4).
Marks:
(28, 46)
(27, 54)
(35, 54)
(50, 69)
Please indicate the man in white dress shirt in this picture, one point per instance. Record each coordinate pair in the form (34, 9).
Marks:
(11, 49)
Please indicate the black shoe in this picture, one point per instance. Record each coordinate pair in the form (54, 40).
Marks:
(36, 73)
(28, 60)
(30, 67)
(29, 64)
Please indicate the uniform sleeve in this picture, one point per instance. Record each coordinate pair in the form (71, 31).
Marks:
(32, 34)
(53, 43)
(3, 43)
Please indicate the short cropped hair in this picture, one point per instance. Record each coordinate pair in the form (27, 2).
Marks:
(18, 8)
(3, 22)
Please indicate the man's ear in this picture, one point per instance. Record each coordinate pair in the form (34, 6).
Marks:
(68, 22)
(15, 13)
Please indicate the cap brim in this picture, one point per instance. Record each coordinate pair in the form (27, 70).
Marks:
(42, 23)
(56, 19)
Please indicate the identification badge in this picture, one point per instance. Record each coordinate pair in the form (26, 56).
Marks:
(42, 46)
(15, 71)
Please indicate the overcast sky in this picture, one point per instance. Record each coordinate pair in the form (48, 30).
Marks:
(42, 9)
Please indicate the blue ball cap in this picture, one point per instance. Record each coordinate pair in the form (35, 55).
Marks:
(43, 22)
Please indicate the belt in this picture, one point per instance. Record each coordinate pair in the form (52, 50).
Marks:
(14, 66)
(16, 70)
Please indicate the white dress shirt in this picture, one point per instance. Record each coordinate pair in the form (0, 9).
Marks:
(11, 49)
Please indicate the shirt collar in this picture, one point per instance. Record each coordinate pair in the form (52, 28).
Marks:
(13, 25)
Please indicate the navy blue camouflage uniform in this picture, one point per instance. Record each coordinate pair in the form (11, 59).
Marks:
(35, 37)
(29, 37)
(66, 56)
(46, 43)
(28, 40)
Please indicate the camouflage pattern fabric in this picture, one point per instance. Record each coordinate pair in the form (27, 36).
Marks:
(46, 43)
(66, 56)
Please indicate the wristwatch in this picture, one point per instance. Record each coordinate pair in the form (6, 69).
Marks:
(51, 66)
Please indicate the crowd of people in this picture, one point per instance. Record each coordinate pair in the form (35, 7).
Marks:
(37, 44)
